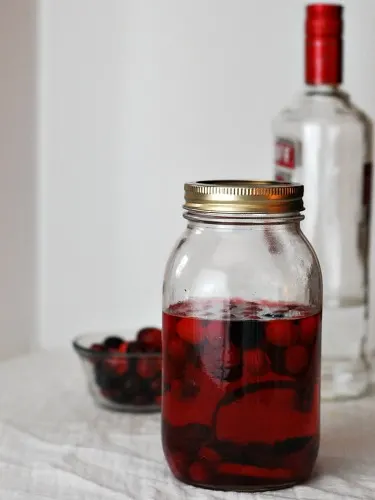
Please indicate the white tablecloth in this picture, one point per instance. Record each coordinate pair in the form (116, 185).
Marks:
(55, 444)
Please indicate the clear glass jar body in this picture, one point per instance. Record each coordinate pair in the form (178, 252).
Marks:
(324, 142)
(241, 354)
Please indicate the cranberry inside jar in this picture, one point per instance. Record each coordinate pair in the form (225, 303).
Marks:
(241, 392)
(241, 368)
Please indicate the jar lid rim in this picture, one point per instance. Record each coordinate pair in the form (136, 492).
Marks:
(244, 196)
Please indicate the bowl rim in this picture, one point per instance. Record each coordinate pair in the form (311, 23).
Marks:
(87, 352)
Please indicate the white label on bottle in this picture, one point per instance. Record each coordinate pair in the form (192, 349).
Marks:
(287, 158)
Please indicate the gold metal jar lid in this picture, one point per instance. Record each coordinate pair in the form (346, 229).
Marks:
(242, 196)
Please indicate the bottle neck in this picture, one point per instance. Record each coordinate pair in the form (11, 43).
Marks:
(323, 89)
(323, 61)
(323, 44)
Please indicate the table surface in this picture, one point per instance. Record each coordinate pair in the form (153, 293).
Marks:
(55, 444)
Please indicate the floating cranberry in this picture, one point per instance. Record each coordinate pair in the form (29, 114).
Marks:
(188, 330)
(255, 362)
(309, 329)
(281, 333)
(296, 359)
(150, 338)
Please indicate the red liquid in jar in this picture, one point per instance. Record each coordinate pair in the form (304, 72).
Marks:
(241, 398)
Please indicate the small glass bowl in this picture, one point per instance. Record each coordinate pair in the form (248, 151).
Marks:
(121, 381)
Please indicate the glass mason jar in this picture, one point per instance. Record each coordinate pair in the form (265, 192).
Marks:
(242, 300)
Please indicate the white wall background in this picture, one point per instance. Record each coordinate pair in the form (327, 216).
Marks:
(136, 97)
(18, 176)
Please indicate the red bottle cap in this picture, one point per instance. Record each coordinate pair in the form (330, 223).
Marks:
(323, 44)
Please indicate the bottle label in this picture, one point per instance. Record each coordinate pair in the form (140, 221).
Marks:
(287, 158)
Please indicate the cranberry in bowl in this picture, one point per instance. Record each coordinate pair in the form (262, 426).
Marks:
(123, 375)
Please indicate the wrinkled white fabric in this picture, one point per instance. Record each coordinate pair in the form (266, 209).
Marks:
(56, 445)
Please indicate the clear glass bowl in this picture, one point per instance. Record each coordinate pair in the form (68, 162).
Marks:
(121, 381)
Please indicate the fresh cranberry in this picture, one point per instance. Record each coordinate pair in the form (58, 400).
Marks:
(281, 333)
(296, 359)
(150, 338)
(148, 367)
(123, 347)
(118, 364)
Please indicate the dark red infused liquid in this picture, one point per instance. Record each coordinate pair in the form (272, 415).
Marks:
(241, 394)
